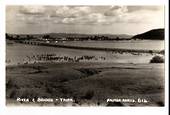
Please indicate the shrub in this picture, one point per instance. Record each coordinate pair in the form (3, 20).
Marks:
(157, 59)
(160, 103)
(162, 52)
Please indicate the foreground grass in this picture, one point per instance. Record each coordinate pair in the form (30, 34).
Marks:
(87, 83)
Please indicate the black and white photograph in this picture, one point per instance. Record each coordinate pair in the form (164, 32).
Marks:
(85, 55)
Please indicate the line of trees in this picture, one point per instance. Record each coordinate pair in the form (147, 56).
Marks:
(67, 38)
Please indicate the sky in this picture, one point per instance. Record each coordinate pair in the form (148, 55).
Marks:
(83, 19)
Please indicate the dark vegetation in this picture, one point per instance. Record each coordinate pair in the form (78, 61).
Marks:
(155, 34)
(54, 57)
(66, 37)
(162, 52)
(157, 59)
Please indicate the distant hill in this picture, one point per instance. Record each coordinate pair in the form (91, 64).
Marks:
(113, 36)
(155, 34)
(74, 35)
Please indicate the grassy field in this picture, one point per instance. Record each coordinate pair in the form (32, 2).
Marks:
(88, 84)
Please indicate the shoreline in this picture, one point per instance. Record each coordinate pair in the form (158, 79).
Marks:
(86, 63)
(120, 50)
(76, 55)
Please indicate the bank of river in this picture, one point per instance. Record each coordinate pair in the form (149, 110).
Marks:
(128, 51)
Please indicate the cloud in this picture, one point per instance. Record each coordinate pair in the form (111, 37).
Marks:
(90, 19)
(68, 21)
(83, 19)
(133, 14)
(70, 11)
(32, 10)
(139, 8)
(116, 11)
(83, 15)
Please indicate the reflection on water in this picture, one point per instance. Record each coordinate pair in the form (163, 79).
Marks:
(21, 53)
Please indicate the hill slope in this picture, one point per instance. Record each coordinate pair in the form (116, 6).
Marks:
(155, 34)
